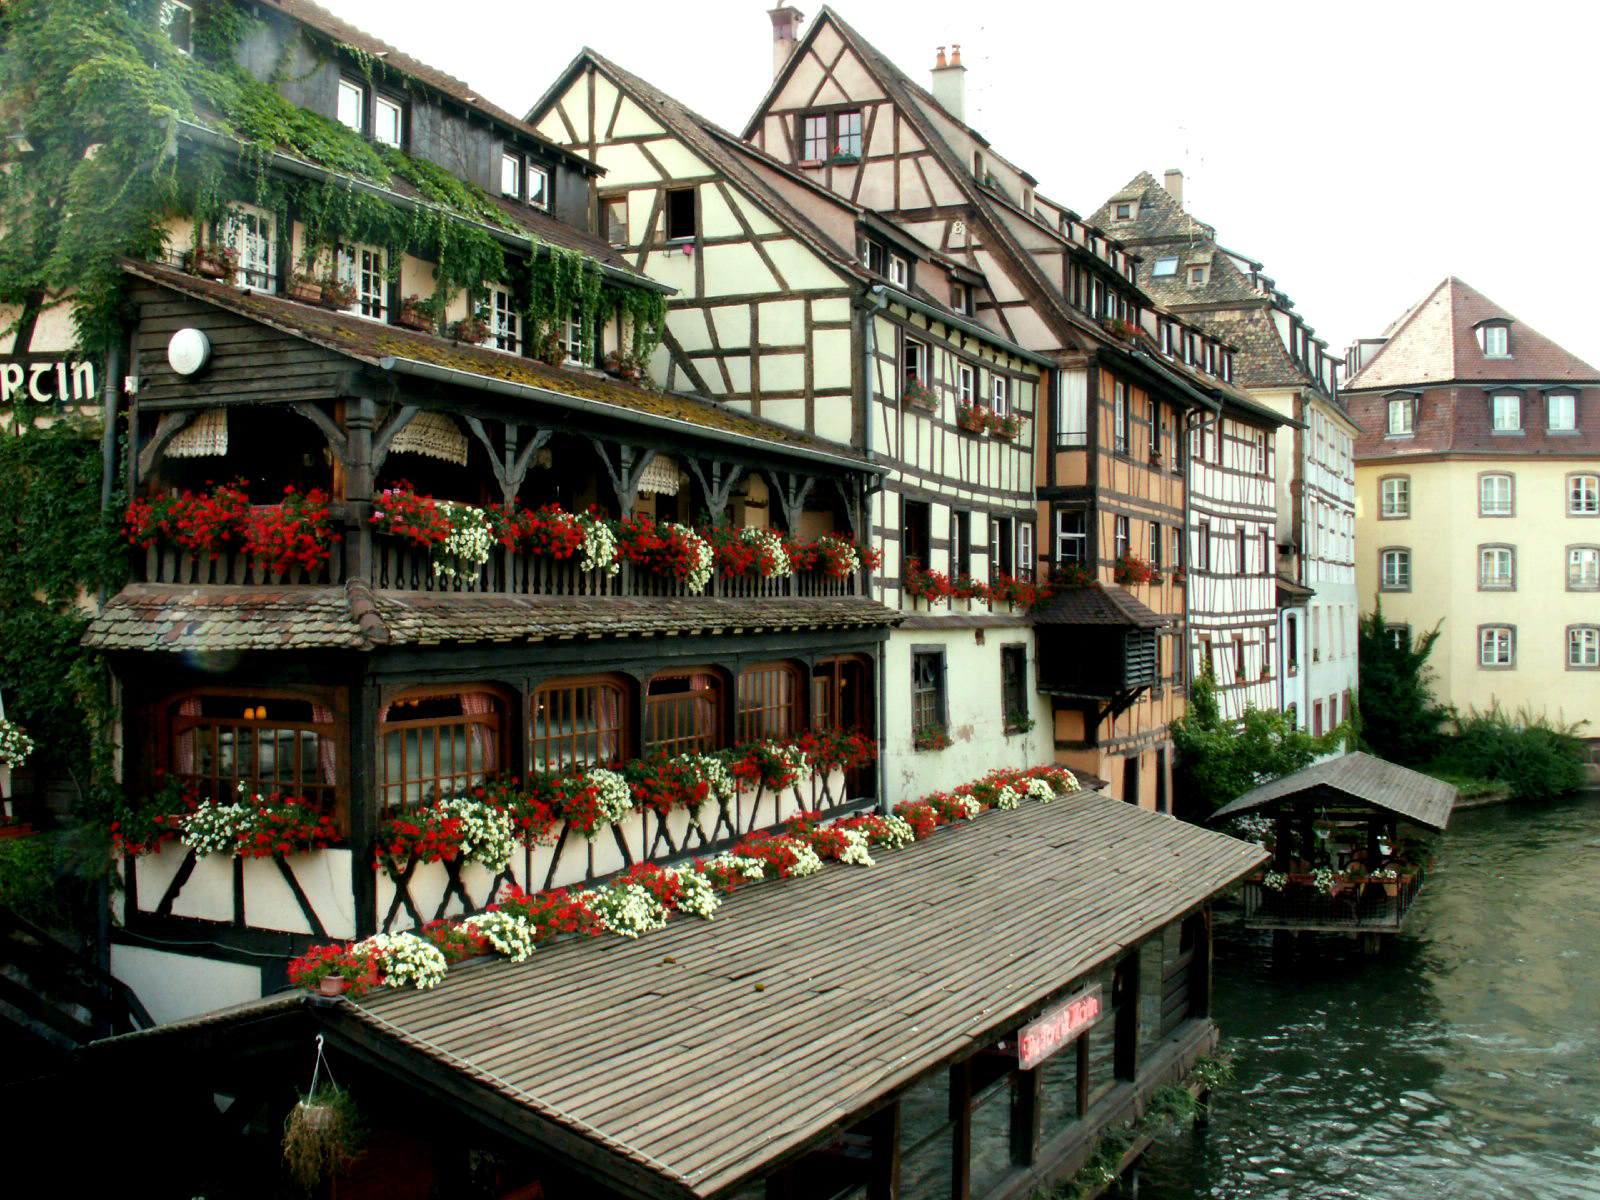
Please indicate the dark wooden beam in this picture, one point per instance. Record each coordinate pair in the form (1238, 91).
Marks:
(1026, 1112)
(961, 1130)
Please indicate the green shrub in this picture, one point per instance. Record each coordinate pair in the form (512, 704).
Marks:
(1530, 754)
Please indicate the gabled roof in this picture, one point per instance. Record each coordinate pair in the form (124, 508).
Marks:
(1160, 218)
(1359, 778)
(1437, 342)
(315, 17)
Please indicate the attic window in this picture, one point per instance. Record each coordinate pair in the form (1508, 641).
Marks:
(177, 19)
(899, 271)
(388, 121)
(1197, 275)
(680, 214)
(614, 219)
(961, 298)
(1125, 210)
(1495, 340)
(522, 178)
(352, 106)
(1164, 267)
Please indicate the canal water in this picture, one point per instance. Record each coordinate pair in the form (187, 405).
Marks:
(1464, 1062)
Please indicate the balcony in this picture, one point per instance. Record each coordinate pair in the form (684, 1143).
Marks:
(1349, 906)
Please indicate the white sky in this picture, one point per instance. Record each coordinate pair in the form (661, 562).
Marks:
(1362, 151)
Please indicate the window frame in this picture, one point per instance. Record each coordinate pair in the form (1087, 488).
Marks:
(929, 661)
(505, 320)
(359, 91)
(1120, 439)
(1484, 477)
(1170, 265)
(1575, 640)
(1399, 580)
(1583, 494)
(999, 394)
(899, 270)
(382, 101)
(1571, 399)
(1406, 405)
(1013, 684)
(232, 230)
(914, 362)
(1495, 346)
(793, 706)
(700, 742)
(1064, 536)
(1121, 536)
(167, 16)
(668, 222)
(171, 725)
(608, 204)
(1573, 555)
(1509, 403)
(1509, 632)
(1489, 556)
(1403, 508)
(966, 384)
(625, 691)
(368, 305)
(388, 726)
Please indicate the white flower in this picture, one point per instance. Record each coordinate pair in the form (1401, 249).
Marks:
(1008, 796)
(844, 550)
(1039, 789)
(969, 806)
(1253, 828)
(471, 540)
(771, 554)
(486, 835)
(700, 573)
(897, 832)
(1322, 879)
(405, 959)
(856, 848)
(15, 744)
(599, 547)
(806, 861)
(750, 868)
(214, 828)
(626, 909)
(1274, 881)
(697, 897)
(616, 797)
(508, 934)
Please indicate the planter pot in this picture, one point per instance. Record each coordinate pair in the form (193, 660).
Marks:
(415, 320)
(333, 985)
(1391, 888)
(305, 291)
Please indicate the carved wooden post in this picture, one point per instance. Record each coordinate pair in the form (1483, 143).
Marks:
(359, 482)
(626, 471)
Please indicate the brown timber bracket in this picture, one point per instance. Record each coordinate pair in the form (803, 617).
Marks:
(850, 493)
(626, 472)
(393, 424)
(338, 442)
(168, 427)
(510, 464)
(718, 489)
(792, 492)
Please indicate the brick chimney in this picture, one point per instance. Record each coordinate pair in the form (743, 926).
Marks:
(786, 20)
(1173, 182)
(950, 83)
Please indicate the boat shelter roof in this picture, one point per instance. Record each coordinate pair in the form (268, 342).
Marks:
(1361, 779)
(698, 1058)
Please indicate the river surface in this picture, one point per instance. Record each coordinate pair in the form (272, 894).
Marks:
(1463, 1062)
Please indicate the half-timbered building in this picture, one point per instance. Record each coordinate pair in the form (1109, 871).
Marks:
(800, 306)
(1128, 383)
(1285, 367)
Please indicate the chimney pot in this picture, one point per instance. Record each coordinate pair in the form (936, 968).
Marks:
(786, 20)
(1173, 182)
(955, 55)
(940, 62)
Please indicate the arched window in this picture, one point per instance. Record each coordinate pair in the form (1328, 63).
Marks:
(437, 743)
(770, 697)
(683, 712)
(264, 742)
(579, 721)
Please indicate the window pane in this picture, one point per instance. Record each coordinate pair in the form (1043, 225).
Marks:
(1583, 567)
(1583, 498)
(352, 98)
(1563, 412)
(510, 175)
(576, 724)
(849, 134)
(435, 747)
(538, 186)
(769, 702)
(682, 714)
(813, 138)
(1583, 647)
(386, 121)
(1507, 413)
(224, 744)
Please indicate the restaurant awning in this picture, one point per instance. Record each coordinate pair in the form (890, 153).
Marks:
(697, 1058)
(1361, 779)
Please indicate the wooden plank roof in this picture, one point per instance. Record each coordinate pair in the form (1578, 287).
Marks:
(1364, 779)
(710, 1050)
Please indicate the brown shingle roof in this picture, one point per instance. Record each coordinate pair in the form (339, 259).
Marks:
(375, 343)
(1364, 779)
(664, 1047)
(199, 619)
(1099, 604)
(1437, 342)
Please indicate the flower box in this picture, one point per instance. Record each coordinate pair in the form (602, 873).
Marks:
(1006, 427)
(973, 418)
(845, 160)
(623, 366)
(337, 294)
(211, 262)
(416, 313)
(471, 330)
(307, 291)
(919, 395)
(1131, 569)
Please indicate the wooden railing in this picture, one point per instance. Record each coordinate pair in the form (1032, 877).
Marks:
(399, 566)
(1370, 905)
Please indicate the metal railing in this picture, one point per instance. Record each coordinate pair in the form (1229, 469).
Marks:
(1369, 905)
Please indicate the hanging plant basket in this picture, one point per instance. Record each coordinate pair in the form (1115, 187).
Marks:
(320, 1136)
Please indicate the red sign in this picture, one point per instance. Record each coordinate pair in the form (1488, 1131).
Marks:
(1038, 1040)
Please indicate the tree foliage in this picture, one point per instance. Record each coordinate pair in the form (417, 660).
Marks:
(1402, 720)
(1220, 760)
(1533, 756)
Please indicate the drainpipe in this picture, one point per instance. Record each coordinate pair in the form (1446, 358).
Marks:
(1193, 421)
(875, 301)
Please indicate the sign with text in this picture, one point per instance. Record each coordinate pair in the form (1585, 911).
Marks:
(37, 379)
(1038, 1040)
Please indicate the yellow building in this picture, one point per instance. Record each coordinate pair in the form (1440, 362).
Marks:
(1478, 501)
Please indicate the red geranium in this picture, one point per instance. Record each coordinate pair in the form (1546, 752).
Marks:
(299, 532)
(549, 914)
(428, 834)
(400, 511)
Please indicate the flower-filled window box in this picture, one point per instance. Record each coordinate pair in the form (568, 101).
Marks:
(922, 584)
(472, 330)
(843, 158)
(919, 395)
(305, 289)
(1178, 577)
(1130, 569)
(623, 366)
(1117, 327)
(1072, 575)
(417, 313)
(211, 262)
(1006, 427)
(338, 294)
(932, 737)
(974, 418)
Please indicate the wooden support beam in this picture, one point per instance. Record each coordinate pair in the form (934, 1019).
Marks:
(625, 470)
(1026, 1112)
(961, 1130)
(717, 479)
(397, 420)
(883, 1168)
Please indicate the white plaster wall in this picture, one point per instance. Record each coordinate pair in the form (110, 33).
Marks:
(174, 986)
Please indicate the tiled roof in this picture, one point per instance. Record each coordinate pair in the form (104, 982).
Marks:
(1362, 777)
(203, 619)
(373, 343)
(341, 31)
(1159, 216)
(1437, 342)
(1261, 359)
(1099, 604)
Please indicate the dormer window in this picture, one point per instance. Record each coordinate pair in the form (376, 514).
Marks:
(1198, 275)
(1507, 412)
(177, 19)
(1495, 338)
(352, 105)
(1561, 412)
(1125, 210)
(877, 258)
(388, 121)
(1164, 267)
(522, 178)
(830, 135)
(1402, 416)
(899, 271)
(961, 298)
